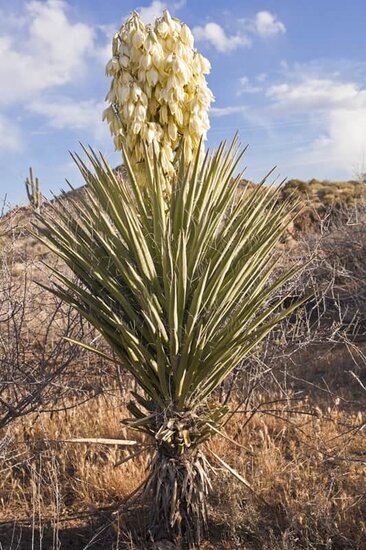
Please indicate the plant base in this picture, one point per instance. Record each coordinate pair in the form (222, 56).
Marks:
(178, 487)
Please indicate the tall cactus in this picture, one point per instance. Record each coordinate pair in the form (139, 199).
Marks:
(33, 191)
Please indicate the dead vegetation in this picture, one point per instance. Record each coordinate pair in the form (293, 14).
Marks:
(303, 463)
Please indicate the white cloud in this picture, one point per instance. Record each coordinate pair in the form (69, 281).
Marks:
(49, 51)
(316, 94)
(226, 111)
(266, 24)
(66, 113)
(179, 4)
(311, 112)
(346, 137)
(150, 13)
(155, 9)
(215, 35)
(246, 87)
(10, 135)
(334, 110)
(261, 77)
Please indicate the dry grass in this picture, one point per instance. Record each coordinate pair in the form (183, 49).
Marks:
(305, 493)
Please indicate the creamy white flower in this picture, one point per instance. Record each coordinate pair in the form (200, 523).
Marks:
(180, 67)
(138, 38)
(152, 76)
(135, 92)
(164, 114)
(205, 64)
(113, 67)
(186, 36)
(115, 44)
(158, 92)
(172, 130)
(136, 127)
(115, 124)
(123, 93)
(187, 147)
(144, 100)
(124, 49)
(140, 113)
(163, 28)
(145, 61)
(135, 54)
(150, 134)
(172, 82)
(195, 125)
(178, 115)
(157, 55)
(111, 96)
(166, 94)
(151, 41)
(180, 94)
(130, 108)
(170, 43)
(168, 18)
(124, 61)
(125, 78)
(107, 114)
(148, 90)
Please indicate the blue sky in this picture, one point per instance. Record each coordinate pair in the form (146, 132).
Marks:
(290, 75)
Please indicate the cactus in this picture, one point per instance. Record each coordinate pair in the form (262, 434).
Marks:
(33, 191)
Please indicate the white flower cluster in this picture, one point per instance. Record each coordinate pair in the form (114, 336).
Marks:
(159, 93)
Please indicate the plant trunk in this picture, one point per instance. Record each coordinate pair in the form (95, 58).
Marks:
(178, 487)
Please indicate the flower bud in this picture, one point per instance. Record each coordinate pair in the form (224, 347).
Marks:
(138, 39)
(135, 92)
(152, 77)
(172, 130)
(205, 64)
(145, 61)
(115, 44)
(164, 114)
(124, 61)
(157, 55)
(112, 67)
(150, 41)
(167, 17)
(163, 29)
(186, 36)
(140, 113)
(123, 93)
(136, 127)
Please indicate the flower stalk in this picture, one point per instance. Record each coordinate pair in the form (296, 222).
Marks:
(159, 98)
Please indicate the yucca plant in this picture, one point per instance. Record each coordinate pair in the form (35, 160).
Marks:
(182, 287)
